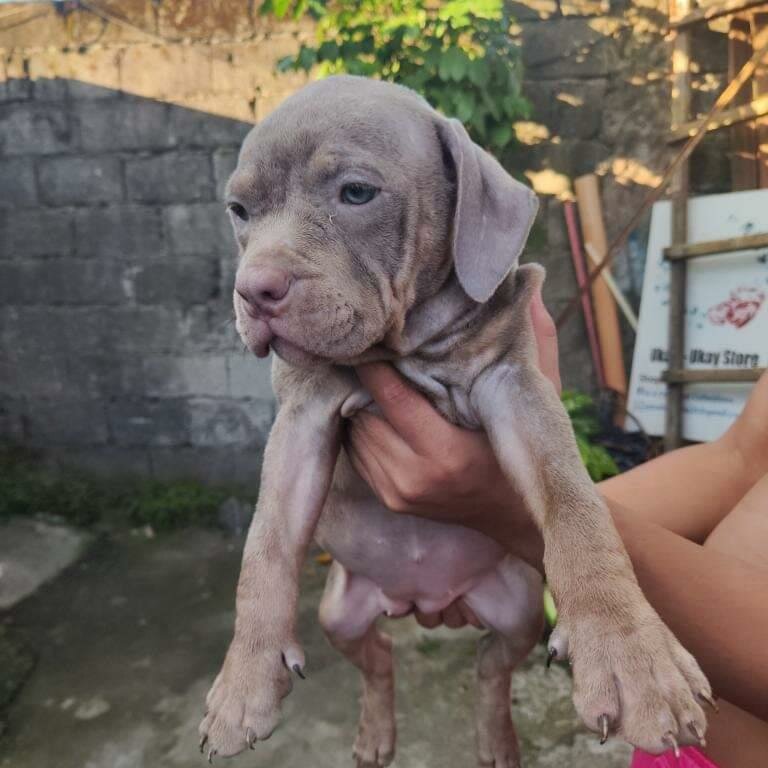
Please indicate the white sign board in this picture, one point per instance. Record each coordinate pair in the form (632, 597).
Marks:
(726, 314)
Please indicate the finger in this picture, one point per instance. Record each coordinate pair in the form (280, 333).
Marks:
(408, 411)
(452, 617)
(387, 443)
(546, 340)
(469, 615)
(366, 464)
(428, 620)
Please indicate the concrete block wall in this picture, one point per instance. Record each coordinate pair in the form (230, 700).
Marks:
(117, 350)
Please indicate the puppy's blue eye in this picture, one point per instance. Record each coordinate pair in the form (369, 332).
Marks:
(238, 210)
(358, 194)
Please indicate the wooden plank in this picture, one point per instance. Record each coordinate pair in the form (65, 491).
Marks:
(587, 190)
(743, 136)
(712, 247)
(681, 110)
(727, 8)
(756, 108)
(712, 375)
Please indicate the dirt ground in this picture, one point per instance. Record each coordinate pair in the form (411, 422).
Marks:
(129, 638)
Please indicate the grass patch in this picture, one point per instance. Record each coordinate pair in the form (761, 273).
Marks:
(27, 487)
(429, 646)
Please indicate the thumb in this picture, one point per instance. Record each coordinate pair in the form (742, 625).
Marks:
(406, 409)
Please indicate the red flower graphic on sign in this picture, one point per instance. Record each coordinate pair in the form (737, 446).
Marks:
(739, 309)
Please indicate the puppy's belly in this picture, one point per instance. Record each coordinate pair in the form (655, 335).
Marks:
(413, 561)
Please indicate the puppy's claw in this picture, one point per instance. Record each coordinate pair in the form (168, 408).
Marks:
(709, 700)
(203, 742)
(669, 738)
(696, 731)
(250, 738)
(551, 656)
(603, 721)
(299, 671)
(211, 754)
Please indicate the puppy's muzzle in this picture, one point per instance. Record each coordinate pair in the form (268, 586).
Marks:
(264, 290)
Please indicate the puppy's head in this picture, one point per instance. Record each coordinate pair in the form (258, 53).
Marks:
(353, 201)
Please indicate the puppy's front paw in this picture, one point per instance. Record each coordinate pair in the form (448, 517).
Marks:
(243, 705)
(635, 680)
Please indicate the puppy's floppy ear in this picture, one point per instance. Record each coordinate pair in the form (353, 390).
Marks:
(493, 215)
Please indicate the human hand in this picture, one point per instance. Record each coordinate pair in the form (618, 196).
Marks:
(419, 463)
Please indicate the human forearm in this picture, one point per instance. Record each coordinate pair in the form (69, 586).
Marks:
(710, 601)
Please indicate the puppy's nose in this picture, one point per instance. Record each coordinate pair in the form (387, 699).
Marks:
(263, 287)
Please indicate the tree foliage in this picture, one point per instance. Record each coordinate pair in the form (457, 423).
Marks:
(458, 54)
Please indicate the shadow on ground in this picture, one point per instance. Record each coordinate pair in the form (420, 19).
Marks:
(129, 639)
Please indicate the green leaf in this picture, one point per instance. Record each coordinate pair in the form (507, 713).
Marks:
(501, 135)
(464, 102)
(280, 7)
(307, 58)
(479, 72)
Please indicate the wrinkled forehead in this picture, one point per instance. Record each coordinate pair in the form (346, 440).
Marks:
(385, 134)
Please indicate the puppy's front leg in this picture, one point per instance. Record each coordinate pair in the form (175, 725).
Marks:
(243, 705)
(631, 676)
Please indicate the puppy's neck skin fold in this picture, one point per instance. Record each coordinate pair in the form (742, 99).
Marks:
(436, 316)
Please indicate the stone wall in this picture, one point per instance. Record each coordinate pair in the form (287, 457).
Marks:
(117, 133)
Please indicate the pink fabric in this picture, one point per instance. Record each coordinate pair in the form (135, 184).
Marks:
(690, 757)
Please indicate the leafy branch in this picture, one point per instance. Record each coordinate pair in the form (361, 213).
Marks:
(460, 55)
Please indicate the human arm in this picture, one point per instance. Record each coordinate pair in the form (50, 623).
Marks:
(711, 601)
(714, 603)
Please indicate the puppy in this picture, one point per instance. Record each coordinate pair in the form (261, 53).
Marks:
(370, 227)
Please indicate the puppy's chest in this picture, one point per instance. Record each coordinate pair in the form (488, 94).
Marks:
(446, 384)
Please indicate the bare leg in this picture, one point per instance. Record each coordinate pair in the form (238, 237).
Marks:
(735, 737)
(348, 613)
(509, 603)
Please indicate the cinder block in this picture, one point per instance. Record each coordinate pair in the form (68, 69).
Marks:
(127, 123)
(181, 376)
(199, 20)
(224, 163)
(30, 128)
(17, 182)
(221, 466)
(224, 422)
(49, 89)
(77, 180)
(94, 73)
(27, 373)
(164, 72)
(66, 422)
(61, 282)
(106, 461)
(143, 422)
(144, 330)
(37, 232)
(174, 177)
(193, 280)
(199, 229)
(15, 89)
(196, 128)
(11, 420)
(120, 231)
(250, 377)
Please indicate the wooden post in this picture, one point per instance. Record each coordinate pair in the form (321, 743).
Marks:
(760, 88)
(595, 241)
(681, 107)
(744, 135)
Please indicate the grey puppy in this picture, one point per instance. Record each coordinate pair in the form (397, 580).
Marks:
(370, 227)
